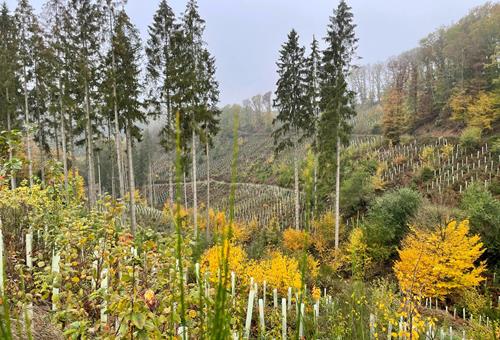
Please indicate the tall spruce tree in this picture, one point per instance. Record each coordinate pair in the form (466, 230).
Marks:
(9, 84)
(159, 82)
(28, 30)
(125, 54)
(87, 20)
(293, 122)
(58, 31)
(111, 7)
(337, 101)
(197, 89)
(314, 97)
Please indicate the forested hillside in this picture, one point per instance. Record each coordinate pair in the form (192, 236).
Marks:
(348, 202)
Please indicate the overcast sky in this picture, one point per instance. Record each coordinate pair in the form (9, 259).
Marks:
(245, 35)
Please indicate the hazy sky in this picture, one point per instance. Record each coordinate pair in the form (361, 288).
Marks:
(245, 35)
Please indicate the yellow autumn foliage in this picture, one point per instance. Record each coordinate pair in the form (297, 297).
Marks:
(279, 271)
(357, 250)
(439, 262)
(295, 240)
(211, 260)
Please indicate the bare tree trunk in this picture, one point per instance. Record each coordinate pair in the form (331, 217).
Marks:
(113, 162)
(337, 198)
(72, 145)
(42, 151)
(56, 137)
(150, 182)
(171, 186)
(63, 139)
(195, 198)
(185, 191)
(9, 128)
(208, 193)
(131, 179)
(296, 185)
(90, 149)
(315, 194)
(28, 135)
(99, 188)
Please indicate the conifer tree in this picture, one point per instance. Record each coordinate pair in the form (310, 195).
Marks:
(337, 100)
(85, 44)
(8, 70)
(314, 97)
(58, 26)
(125, 54)
(28, 29)
(111, 8)
(159, 82)
(196, 90)
(292, 124)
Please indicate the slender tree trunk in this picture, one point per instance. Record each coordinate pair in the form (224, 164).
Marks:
(56, 137)
(119, 162)
(315, 198)
(113, 162)
(208, 193)
(337, 196)
(185, 191)
(150, 182)
(99, 188)
(195, 198)
(118, 146)
(72, 145)
(90, 149)
(171, 185)
(42, 151)
(296, 185)
(131, 179)
(28, 135)
(63, 138)
(9, 128)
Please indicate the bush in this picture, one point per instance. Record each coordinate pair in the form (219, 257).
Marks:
(440, 262)
(426, 174)
(387, 221)
(470, 138)
(483, 211)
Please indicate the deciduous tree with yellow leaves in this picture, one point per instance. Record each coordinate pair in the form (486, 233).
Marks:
(441, 261)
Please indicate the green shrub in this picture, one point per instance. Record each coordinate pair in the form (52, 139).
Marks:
(387, 221)
(483, 211)
(470, 138)
(426, 174)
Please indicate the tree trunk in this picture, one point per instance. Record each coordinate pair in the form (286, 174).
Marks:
(315, 189)
(9, 128)
(337, 198)
(296, 185)
(119, 162)
(28, 135)
(170, 185)
(131, 179)
(90, 149)
(118, 146)
(208, 194)
(63, 139)
(56, 137)
(185, 191)
(72, 145)
(195, 198)
(42, 151)
(150, 182)
(99, 188)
